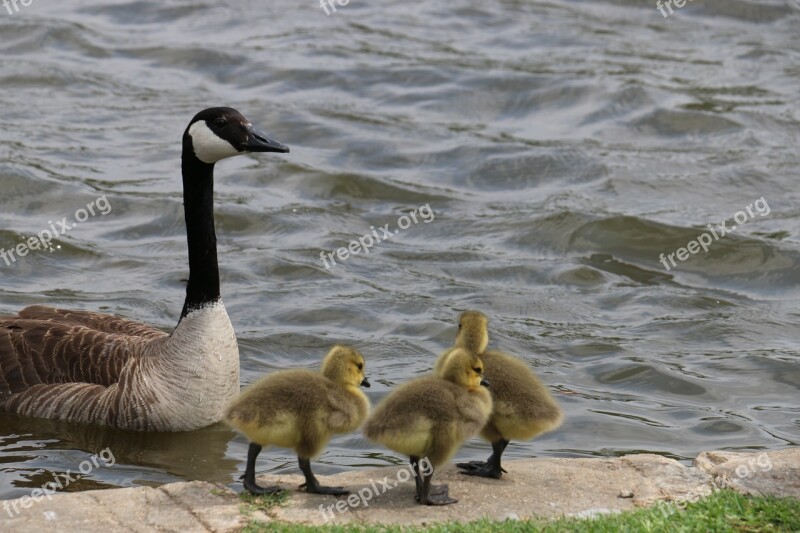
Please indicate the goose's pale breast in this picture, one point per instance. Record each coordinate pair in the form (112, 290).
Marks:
(194, 374)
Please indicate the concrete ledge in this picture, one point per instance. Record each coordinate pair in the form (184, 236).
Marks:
(535, 487)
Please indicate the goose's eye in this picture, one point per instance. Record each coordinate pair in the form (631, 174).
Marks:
(220, 122)
(477, 370)
(360, 366)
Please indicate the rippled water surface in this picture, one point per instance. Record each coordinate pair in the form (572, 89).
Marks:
(562, 146)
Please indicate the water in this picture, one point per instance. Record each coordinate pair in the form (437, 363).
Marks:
(561, 145)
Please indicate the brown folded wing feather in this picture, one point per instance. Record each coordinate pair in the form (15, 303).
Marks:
(47, 346)
(96, 321)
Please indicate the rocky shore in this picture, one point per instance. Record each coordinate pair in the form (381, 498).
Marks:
(534, 487)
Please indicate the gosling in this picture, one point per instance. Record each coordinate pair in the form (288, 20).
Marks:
(523, 407)
(301, 410)
(430, 417)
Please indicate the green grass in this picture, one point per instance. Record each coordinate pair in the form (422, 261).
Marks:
(724, 511)
(251, 503)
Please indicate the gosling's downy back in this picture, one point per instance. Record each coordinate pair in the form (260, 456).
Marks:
(432, 416)
(523, 405)
(302, 409)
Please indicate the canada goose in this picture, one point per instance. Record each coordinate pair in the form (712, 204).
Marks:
(430, 417)
(523, 407)
(90, 367)
(302, 410)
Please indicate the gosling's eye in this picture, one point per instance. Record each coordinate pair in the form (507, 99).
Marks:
(360, 366)
(477, 370)
(220, 122)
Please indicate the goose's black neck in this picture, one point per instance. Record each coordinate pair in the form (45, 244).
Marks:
(198, 204)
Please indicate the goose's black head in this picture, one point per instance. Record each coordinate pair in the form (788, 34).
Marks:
(221, 132)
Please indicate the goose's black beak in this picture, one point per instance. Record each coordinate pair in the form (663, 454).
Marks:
(365, 383)
(259, 142)
(485, 383)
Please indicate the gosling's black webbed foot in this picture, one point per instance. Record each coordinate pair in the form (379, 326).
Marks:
(440, 489)
(437, 490)
(434, 494)
(478, 465)
(439, 499)
(254, 488)
(316, 488)
(472, 465)
(312, 485)
(249, 477)
(488, 470)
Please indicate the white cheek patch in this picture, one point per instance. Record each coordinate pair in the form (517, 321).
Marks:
(208, 147)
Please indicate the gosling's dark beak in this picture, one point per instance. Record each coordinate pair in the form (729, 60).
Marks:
(365, 383)
(259, 142)
(485, 383)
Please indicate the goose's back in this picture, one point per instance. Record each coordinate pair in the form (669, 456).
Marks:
(44, 345)
(102, 369)
(95, 321)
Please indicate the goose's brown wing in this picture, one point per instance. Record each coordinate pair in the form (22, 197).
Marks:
(66, 347)
(94, 321)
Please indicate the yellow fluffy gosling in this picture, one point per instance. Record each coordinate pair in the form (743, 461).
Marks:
(523, 407)
(429, 418)
(301, 410)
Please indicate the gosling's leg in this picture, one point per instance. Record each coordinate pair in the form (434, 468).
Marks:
(417, 472)
(312, 485)
(249, 477)
(428, 497)
(491, 468)
(417, 480)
